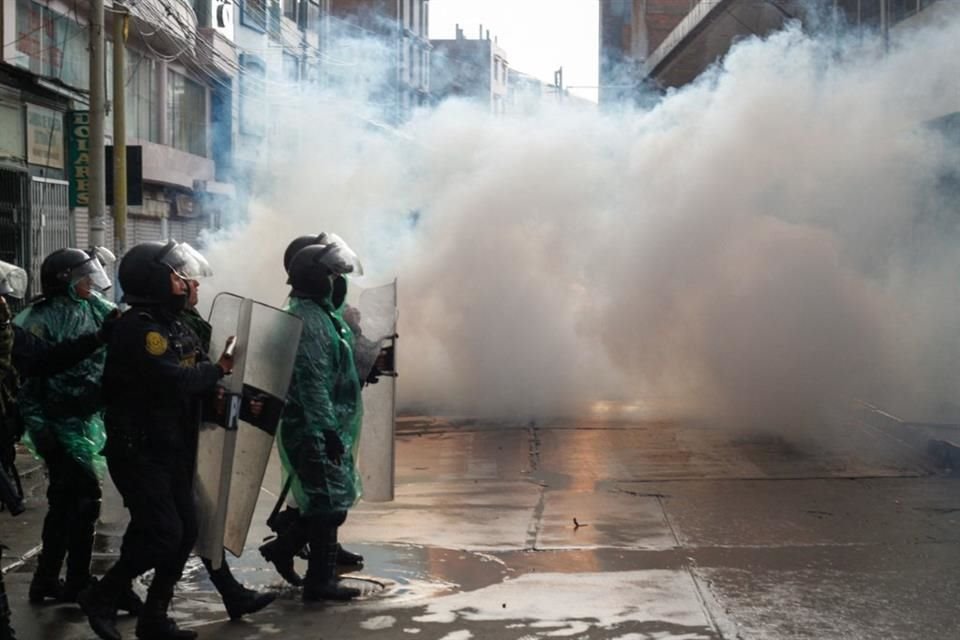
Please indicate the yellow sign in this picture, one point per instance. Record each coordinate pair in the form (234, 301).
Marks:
(156, 344)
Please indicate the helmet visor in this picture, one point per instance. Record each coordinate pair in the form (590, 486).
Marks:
(93, 270)
(340, 259)
(13, 280)
(105, 256)
(187, 262)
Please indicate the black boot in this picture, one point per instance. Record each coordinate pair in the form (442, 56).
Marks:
(321, 582)
(154, 624)
(282, 549)
(45, 586)
(99, 603)
(80, 548)
(348, 558)
(6, 631)
(73, 586)
(238, 600)
(130, 602)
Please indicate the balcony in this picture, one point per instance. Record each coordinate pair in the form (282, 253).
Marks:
(217, 53)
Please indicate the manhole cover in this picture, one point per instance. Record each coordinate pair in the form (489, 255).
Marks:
(367, 586)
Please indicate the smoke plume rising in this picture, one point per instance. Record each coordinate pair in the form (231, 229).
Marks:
(765, 244)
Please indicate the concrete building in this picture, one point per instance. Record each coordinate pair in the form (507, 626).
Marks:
(476, 69)
(403, 25)
(629, 31)
(271, 49)
(668, 43)
(527, 93)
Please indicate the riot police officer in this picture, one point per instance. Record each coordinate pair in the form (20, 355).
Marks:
(320, 426)
(24, 355)
(290, 528)
(155, 380)
(63, 422)
(238, 600)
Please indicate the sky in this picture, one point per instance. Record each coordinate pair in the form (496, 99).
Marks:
(539, 36)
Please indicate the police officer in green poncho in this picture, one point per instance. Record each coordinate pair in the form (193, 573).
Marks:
(320, 428)
(63, 422)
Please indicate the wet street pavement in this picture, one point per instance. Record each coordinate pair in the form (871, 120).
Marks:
(609, 529)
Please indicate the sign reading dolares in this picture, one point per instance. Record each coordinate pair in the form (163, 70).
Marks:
(78, 143)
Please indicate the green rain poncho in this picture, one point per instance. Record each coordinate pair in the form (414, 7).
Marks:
(67, 406)
(324, 395)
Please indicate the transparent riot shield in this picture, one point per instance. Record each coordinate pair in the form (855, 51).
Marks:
(238, 431)
(375, 345)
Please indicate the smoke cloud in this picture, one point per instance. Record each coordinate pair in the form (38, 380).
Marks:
(767, 244)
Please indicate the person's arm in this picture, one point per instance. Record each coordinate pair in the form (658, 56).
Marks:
(35, 357)
(159, 365)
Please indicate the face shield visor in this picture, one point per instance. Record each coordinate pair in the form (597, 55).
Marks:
(13, 280)
(93, 270)
(104, 256)
(186, 261)
(339, 258)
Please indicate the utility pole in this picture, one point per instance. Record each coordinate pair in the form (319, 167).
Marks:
(885, 23)
(119, 134)
(97, 207)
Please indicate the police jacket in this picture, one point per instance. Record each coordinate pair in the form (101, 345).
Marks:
(155, 381)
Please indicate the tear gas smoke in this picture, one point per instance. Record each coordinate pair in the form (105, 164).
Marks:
(764, 244)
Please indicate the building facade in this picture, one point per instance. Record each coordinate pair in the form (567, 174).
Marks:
(44, 88)
(629, 31)
(475, 69)
(402, 26)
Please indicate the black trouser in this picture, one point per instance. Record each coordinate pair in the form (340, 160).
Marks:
(158, 492)
(73, 506)
(6, 631)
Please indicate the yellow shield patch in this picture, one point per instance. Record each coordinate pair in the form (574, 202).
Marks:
(156, 344)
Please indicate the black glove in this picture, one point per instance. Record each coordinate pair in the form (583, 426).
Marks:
(374, 376)
(109, 323)
(333, 445)
(45, 442)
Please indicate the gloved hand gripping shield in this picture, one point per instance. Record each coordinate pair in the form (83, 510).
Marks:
(237, 434)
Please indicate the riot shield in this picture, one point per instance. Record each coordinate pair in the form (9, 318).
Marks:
(239, 427)
(375, 344)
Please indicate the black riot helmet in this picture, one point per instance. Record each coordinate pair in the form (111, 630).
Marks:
(300, 243)
(64, 267)
(145, 272)
(315, 267)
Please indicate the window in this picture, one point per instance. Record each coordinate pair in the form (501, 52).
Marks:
(187, 114)
(141, 97)
(290, 9)
(291, 68)
(254, 14)
(50, 44)
(275, 20)
(253, 96)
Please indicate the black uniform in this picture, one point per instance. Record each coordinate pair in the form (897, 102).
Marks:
(155, 380)
(237, 599)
